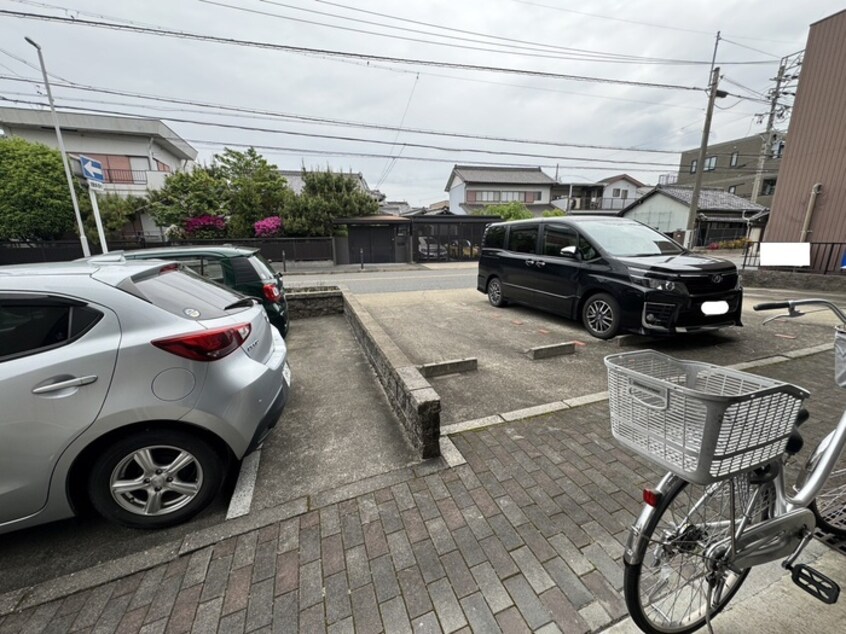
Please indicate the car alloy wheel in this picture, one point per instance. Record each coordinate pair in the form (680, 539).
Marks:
(156, 480)
(601, 316)
(495, 292)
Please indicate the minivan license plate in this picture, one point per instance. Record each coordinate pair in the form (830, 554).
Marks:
(715, 308)
(286, 374)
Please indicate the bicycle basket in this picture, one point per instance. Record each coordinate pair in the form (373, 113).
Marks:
(840, 357)
(701, 421)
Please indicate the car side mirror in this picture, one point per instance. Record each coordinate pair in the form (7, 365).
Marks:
(568, 252)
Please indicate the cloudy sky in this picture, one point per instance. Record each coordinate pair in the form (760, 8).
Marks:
(642, 41)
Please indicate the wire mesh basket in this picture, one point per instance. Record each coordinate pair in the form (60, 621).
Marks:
(701, 421)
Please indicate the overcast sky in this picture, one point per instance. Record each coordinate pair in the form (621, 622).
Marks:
(540, 35)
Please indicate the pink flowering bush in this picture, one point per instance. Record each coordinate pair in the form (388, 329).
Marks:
(207, 227)
(269, 227)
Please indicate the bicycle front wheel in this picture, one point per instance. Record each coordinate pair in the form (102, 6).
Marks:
(668, 592)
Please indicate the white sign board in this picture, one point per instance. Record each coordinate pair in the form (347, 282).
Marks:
(785, 254)
(97, 186)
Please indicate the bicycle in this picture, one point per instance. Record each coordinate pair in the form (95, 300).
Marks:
(724, 436)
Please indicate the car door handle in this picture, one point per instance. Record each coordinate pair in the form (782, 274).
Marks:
(63, 385)
(540, 263)
(530, 262)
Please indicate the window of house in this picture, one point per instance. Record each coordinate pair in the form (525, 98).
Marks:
(710, 164)
(487, 197)
(693, 166)
(624, 193)
(615, 193)
(768, 188)
(523, 239)
(733, 160)
(732, 189)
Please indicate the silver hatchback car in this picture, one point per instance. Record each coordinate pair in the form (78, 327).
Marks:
(129, 386)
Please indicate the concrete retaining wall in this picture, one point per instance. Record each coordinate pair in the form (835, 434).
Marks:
(315, 302)
(411, 396)
(769, 278)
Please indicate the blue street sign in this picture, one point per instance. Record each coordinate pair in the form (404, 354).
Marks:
(92, 170)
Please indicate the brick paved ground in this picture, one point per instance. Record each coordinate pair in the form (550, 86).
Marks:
(524, 537)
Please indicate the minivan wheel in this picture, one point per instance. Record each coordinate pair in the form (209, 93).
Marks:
(155, 479)
(495, 296)
(601, 316)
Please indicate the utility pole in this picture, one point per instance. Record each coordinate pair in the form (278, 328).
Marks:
(766, 140)
(703, 148)
(86, 251)
(700, 163)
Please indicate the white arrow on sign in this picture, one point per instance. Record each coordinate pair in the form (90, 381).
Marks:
(92, 170)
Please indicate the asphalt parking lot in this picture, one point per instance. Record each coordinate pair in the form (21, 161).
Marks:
(452, 324)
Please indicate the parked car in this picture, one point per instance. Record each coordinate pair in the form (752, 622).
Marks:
(129, 386)
(429, 248)
(613, 274)
(240, 268)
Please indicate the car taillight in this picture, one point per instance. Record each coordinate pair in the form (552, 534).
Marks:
(271, 292)
(208, 345)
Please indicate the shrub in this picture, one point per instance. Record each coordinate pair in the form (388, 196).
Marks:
(205, 227)
(713, 246)
(269, 227)
(554, 213)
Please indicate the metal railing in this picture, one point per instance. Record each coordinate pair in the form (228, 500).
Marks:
(827, 258)
(130, 177)
(616, 204)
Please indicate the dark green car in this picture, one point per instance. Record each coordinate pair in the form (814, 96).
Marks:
(240, 268)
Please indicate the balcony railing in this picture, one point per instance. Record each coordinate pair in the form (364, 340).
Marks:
(600, 203)
(129, 177)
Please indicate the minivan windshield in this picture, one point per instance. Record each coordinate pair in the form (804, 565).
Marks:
(625, 239)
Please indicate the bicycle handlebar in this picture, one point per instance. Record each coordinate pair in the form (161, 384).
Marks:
(771, 305)
(792, 304)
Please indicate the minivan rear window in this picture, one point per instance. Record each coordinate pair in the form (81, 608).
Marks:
(186, 294)
(523, 240)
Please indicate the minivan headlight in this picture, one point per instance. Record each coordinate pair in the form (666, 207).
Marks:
(668, 286)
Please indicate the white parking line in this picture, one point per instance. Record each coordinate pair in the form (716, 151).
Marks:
(242, 497)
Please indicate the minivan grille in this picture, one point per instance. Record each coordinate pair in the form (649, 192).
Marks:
(711, 283)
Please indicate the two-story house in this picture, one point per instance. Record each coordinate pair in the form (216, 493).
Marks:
(606, 196)
(472, 188)
(137, 153)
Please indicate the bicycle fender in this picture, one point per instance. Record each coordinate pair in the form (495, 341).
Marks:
(635, 544)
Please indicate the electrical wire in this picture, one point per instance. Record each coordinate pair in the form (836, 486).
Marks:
(328, 121)
(329, 53)
(390, 165)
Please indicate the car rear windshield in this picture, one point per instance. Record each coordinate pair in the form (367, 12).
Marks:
(184, 293)
(262, 267)
(629, 240)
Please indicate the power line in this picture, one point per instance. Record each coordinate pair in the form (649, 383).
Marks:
(638, 22)
(561, 52)
(302, 50)
(334, 137)
(757, 50)
(334, 122)
(390, 165)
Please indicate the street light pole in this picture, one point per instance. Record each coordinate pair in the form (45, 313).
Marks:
(86, 251)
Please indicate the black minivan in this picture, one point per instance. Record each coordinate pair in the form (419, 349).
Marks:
(614, 274)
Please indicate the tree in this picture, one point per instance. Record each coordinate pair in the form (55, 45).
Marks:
(254, 189)
(35, 203)
(513, 210)
(327, 196)
(115, 212)
(554, 213)
(200, 192)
